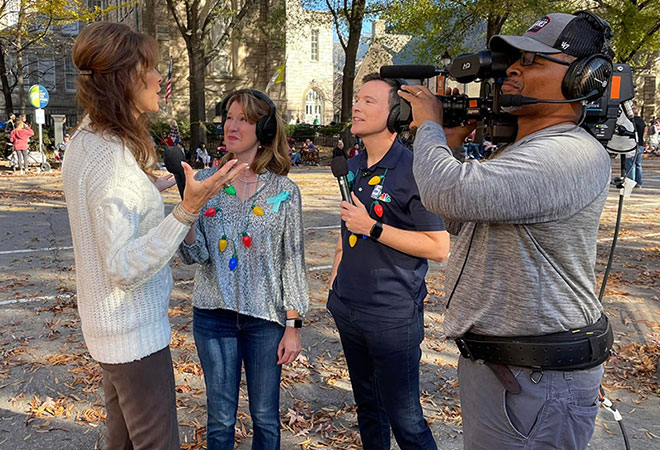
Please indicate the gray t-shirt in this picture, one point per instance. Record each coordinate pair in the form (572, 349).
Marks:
(527, 222)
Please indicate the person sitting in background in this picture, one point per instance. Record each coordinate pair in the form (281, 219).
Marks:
(355, 150)
(471, 147)
(174, 137)
(654, 135)
(203, 156)
(61, 148)
(294, 155)
(314, 157)
(339, 149)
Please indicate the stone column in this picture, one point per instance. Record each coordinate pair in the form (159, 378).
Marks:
(59, 128)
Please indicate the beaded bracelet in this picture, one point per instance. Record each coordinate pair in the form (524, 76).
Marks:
(183, 216)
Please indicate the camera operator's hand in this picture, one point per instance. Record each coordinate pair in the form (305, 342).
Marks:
(425, 106)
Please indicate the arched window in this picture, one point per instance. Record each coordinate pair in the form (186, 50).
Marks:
(313, 107)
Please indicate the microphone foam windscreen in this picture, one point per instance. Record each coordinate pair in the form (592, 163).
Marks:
(339, 166)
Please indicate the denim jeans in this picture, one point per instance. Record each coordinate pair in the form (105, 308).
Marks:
(383, 356)
(226, 339)
(634, 166)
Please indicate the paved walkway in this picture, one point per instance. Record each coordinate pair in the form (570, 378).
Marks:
(50, 394)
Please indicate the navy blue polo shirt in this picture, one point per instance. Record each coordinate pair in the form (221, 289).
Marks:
(372, 277)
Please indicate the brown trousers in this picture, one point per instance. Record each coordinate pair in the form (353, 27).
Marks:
(141, 404)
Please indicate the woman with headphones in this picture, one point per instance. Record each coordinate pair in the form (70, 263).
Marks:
(251, 287)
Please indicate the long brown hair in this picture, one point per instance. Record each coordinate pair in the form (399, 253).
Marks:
(113, 61)
(274, 156)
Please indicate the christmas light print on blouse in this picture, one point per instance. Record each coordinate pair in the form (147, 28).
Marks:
(246, 239)
(222, 243)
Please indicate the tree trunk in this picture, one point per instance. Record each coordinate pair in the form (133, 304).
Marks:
(494, 25)
(354, 33)
(6, 90)
(149, 18)
(19, 81)
(197, 83)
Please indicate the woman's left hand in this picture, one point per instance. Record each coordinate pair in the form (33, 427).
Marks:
(289, 347)
(164, 182)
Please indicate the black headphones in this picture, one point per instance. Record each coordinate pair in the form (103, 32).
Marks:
(266, 126)
(589, 77)
(396, 118)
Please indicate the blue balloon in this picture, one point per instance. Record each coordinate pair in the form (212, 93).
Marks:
(233, 263)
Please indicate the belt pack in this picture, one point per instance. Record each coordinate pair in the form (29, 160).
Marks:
(578, 349)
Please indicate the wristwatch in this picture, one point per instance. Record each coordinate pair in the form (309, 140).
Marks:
(294, 323)
(376, 230)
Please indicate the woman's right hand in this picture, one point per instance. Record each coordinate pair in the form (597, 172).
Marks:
(198, 193)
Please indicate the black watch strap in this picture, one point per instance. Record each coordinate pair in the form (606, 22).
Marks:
(376, 230)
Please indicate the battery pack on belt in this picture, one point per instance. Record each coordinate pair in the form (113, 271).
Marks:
(579, 349)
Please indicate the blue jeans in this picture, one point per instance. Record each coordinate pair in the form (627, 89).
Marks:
(226, 339)
(472, 150)
(634, 166)
(383, 356)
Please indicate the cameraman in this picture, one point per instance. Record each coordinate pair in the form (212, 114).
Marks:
(523, 266)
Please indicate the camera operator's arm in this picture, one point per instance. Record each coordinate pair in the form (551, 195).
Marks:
(539, 178)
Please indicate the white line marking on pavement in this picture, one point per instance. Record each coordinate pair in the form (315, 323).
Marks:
(326, 227)
(34, 299)
(31, 250)
(315, 268)
(51, 297)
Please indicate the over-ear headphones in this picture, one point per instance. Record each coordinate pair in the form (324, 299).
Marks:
(590, 76)
(395, 119)
(266, 126)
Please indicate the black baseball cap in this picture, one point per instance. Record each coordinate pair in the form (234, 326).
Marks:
(574, 35)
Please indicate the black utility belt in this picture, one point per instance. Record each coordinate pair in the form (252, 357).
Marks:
(578, 349)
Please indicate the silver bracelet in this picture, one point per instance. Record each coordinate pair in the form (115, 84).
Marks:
(183, 216)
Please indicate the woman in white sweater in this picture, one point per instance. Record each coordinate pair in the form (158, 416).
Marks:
(121, 237)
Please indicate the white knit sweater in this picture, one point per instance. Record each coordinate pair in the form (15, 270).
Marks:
(122, 244)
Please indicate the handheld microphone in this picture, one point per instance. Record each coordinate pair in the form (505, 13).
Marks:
(172, 157)
(409, 72)
(339, 167)
(519, 100)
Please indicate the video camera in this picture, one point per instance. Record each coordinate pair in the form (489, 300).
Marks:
(494, 124)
